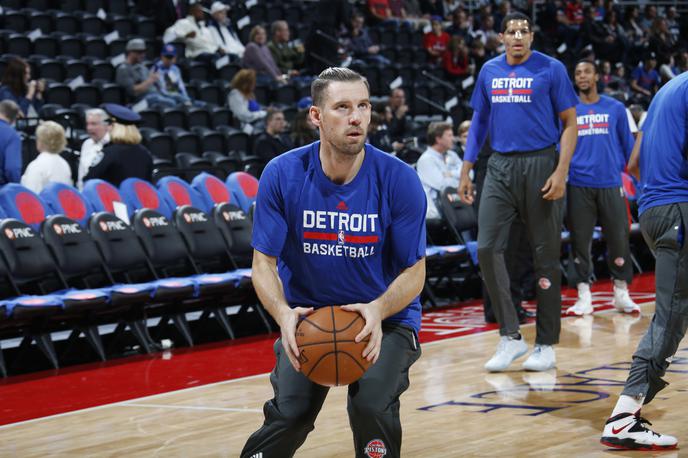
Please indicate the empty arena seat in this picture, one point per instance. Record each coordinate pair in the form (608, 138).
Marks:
(236, 228)
(177, 192)
(23, 204)
(244, 187)
(101, 195)
(138, 194)
(66, 200)
(212, 190)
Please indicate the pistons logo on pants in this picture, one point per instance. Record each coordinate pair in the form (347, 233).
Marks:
(375, 449)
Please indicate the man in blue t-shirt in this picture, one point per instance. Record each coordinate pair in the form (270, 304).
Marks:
(520, 98)
(339, 222)
(663, 208)
(10, 144)
(595, 191)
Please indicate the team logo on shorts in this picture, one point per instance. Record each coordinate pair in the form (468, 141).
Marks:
(375, 449)
(340, 237)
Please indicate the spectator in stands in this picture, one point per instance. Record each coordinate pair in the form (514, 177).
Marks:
(288, 56)
(48, 166)
(478, 54)
(170, 83)
(136, 79)
(273, 141)
(330, 17)
(661, 42)
(645, 79)
(242, 100)
(486, 33)
(614, 29)
(456, 60)
(397, 115)
(605, 76)
(18, 86)
(259, 58)
(619, 83)
(222, 31)
(360, 45)
(98, 129)
(461, 25)
(196, 35)
(303, 131)
(379, 10)
(462, 132)
(432, 8)
(378, 134)
(670, 69)
(503, 9)
(672, 19)
(635, 32)
(649, 16)
(570, 19)
(604, 41)
(10, 143)
(439, 166)
(124, 157)
(436, 41)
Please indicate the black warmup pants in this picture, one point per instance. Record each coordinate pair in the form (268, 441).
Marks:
(373, 402)
(584, 207)
(513, 189)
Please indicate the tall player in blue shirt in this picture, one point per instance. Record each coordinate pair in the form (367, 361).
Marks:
(519, 99)
(340, 222)
(595, 191)
(663, 208)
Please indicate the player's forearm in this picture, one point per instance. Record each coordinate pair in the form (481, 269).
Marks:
(633, 166)
(407, 285)
(567, 143)
(268, 286)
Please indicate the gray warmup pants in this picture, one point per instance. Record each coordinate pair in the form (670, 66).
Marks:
(584, 206)
(513, 190)
(373, 401)
(664, 228)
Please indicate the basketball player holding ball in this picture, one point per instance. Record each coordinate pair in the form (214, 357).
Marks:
(339, 222)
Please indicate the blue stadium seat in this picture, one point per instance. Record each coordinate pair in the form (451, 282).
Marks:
(101, 195)
(177, 192)
(212, 190)
(138, 194)
(23, 204)
(66, 200)
(245, 187)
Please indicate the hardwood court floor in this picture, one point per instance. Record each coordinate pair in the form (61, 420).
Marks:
(452, 409)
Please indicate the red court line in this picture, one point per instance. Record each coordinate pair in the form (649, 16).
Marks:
(53, 392)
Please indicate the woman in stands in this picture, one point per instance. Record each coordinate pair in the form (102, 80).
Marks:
(48, 166)
(242, 100)
(124, 157)
(303, 131)
(18, 86)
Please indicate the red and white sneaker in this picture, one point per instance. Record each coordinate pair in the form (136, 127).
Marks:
(627, 431)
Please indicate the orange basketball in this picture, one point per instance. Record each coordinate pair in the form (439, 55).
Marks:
(328, 353)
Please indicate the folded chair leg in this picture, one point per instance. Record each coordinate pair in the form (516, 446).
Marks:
(93, 338)
(140, 332)
(179, 320)
(261, 313)
(3, 367)
(223, 320)
(45, 344)
(430, 294)
(636, 264)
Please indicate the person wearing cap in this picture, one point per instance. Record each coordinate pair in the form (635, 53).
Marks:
(196, 35)
(222, 32)
(124, 157)
(645, 79)
(170, 83)
(136, 79)
(48, 166)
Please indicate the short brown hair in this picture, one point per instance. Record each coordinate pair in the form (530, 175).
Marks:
(245, 81)
(437, 129)
(333, 74)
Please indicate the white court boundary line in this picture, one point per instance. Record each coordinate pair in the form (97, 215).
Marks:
(131, 402)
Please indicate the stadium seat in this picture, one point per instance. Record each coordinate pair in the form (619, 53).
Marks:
(23, 204)
(221, 116)
(101, 69)
(18, 44)
(59, 94)
(66, 200)
(139, 194)
(88, 94)
(198, 117)
(41, 21)
(244, 187)
(15, 21)
(173, 117)
(101, 195)
(51, 70)
(66, 23)
(236, 229)
(224, 165)
(177, 192)
(212, 190)
(185, 141)
(124, 26)
(112, 93)
(71, 46)
(211, 140)
(46, 46)
(92, 24)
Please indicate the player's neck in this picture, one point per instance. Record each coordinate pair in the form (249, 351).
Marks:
(511, 60)
(589, 98)
(338, 167)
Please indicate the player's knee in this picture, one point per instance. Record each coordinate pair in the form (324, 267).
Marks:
(298, 420)
(369, 406)
(487, 253)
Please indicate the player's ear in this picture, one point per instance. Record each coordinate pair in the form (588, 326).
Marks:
(314, 113)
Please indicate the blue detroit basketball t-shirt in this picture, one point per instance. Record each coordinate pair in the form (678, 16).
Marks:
(604, 144)
(523, 102)
(663, 166)
(340, 244)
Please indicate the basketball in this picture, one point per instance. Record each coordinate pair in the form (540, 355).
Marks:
(329, 355)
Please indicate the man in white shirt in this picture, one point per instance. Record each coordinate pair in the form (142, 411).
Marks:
(222, 32)
(196, 36)
(439, 166)
(92, 149)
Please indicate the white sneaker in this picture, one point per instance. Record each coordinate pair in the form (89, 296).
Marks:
(627, 431)
(623, 302)
(541, 359)
(583, 305)
(508, 350)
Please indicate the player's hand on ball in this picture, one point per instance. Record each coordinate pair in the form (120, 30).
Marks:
(372, 314)
(289, 318)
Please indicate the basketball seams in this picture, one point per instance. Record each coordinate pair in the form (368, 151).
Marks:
(334, 342)
(319, 328)
(327, 342)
